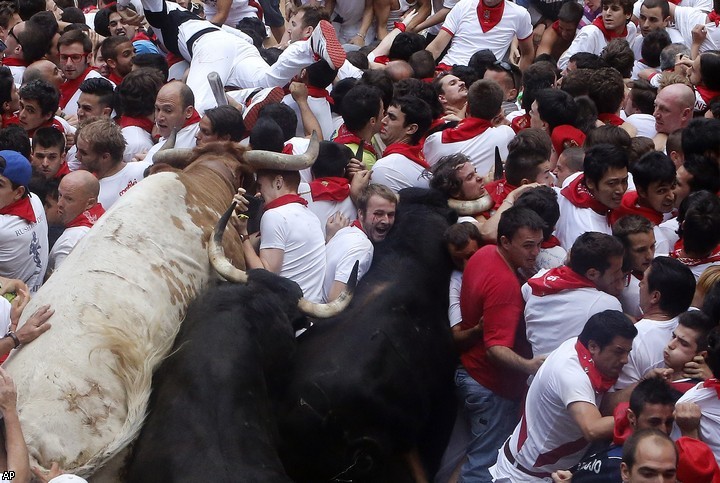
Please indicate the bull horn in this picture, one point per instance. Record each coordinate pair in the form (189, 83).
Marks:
(473, 207)
(217, 88)
(325, 311)
(170, 141)
(173, 156)
(216, 253)
(259, 159)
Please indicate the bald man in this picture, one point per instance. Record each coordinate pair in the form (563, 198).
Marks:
(649, 455)
(673, 110)
(79, 209)
(175, 109)
(45, 70)
(398, 70)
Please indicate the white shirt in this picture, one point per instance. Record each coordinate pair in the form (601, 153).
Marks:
(591, 39)
(113, 187)
(550, 258)
(647, 350)
(24, 246)
(468, 37)
(707, 399)
(687, 17)
(72, 105)
(185, 139)
(350, 244)
(397, 172)
(295, 230)
(320, 107)
(239, 9)
(64, 245)
(554, 318)
(137, 140)
(575, 221)
(324, 209)
(704, 5)
(480, 149)
(644, 123)
(454, 297)
(630, 298)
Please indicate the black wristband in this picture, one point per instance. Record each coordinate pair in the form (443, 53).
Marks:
(14, 337)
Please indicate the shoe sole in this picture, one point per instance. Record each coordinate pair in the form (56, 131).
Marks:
(334, 49)
(274, 96)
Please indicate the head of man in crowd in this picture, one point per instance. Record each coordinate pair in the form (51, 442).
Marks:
(463, 240)
(39, 100)
(48, 152)
(608, 337)
(569, 162)
(9, 96)
(100, 147)
(673, 108)
(519, 236)
(8, 18)
(303, 23)
(96, 99)
(655, 178)
(508, 76)
(697, 173)
(523, 167)
(637, 236)
(174, 106)
(376, 211)
(222, 123)
(652, 406)
(689, 339)
(606, 174)
(75, 49)
(667, 288)
(406, 121)
(552, 108)
(118, 53)
(649, 455)
(599, 258)
(363, 111)
(45, 70)
(456, 177)
(15, 173)
(332, 160)
(654, 15)
(451, 91)
(78, 191)
(484, 101)
(699, 219)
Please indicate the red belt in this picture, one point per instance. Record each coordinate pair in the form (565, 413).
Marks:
(511, 459)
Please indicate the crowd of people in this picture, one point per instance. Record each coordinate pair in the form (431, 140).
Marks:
(578, 143)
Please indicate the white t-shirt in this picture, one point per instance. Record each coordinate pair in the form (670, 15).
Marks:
(554, 440)
(554, 318)
(72, 105)
(698, 270)
(630, 298)
(350, 244)
(644, 123)
(64, 245)
(185, 139)
(647, 350)
(707, 399)
(113, 187)
(591, 39)
(5, 321)
(575, 221)
(320, 107)
(454, 297)
(550, 258)
(397, 172)
(687, 17)
(295, 230)
(239, 9)
(24, 246)
(704, 5)
(324, 209)
(480, 149)
(468, 37)
(637, 42)
(138, 140)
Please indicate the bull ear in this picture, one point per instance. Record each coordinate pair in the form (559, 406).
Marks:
(216, 253)
(259, 159)
(331, 309)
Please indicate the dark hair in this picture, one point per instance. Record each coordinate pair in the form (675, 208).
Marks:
(266, 135)
(576, 82)
(484, 99)
(423, 64)
(543, 201)
(416, 112)
(556, 107)
(382, 82)
(653, 167)
(702, 136)
(604, 326)
(652, 46)
(6, 84)
(49, 137)
(587, 60)
(331, 161)
(75, 37)
(710, 69)
(480, 61)
(618, 55)
(28, 8)
(663, 4)
(511, 72)
(406, 44)
(516, 218)
(339, 92)
(594, 250)
(312, 14)
(72, 15)
(459, 235)
(630, 447)
(108, 47)
(608, 134)
(701, 322)
(283, 115)
(15, 138)
(444, 174)
(100, 87)
(421, 90)
(674, 281)
(361, 103)
(540, 75)
(46, 95)
(571, 12)
(270, 55)
(150, 60)
(640, 146)
(627, 5)
(643, 95)
(587, 116)
(652, 391)
(254, 27)
(466, 74)
(600, 158)
(699, 220)
(320, 74)
(713, 347)
(36, 38)
(137, 92)
(7, 12)
(533, 141)
(521, 165)
(674, 141)
(360, 60)
(607, 90)
(705, 172)
(227, 121)
(630, 225)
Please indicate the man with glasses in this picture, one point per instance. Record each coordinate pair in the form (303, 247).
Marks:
(28, 42)
(13, 56)
(74, 48)
(510, 79)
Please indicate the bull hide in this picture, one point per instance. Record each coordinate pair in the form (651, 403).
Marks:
(210, 417)
(374, 382)
(119, 299)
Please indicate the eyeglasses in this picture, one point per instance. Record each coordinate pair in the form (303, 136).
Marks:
(12, 34)
(74, 57)
(507, 67)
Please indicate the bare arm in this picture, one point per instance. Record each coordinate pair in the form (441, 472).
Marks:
(423, 11)
(223, 9)
(17, 453)
(466, 338)
(527, 53)
(488, 230)
(299, 93)
(508, 358)
(365, 26)
(437, 46)
(434, 19)
(547, 42)
(593, 425)
(381, 9)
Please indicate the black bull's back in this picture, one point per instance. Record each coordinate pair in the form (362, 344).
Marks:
(374, 382)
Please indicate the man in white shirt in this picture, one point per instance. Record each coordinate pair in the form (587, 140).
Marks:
(74, 48)
(100, 147)
(559, 301)
(666, 290)
(673, 110)
(175, 110)
(636, 234)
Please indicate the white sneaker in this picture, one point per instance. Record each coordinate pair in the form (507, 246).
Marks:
(325, 45)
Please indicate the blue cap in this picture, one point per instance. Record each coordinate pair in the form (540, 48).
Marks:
(17, 167)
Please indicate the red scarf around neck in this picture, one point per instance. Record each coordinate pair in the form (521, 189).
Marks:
(88, 217)
(412, 152)
(489, 17)
(557, 280)
(609, 35)
(285, 200)
(142, 122)
(344, 136)
(51, 123)
(551, 242)
(707, 94)
(330, 188)
(320, 93)
(692, 262)
(70, 87)
(499, 190)
(382, 59)
(520, 123)
(713, 383)
(9, 120)
(114, 78)
(357, 224)
(193, 119)
(579, 195)
(630, 206)
(600, 383)
(14, 62)
(712, 17)
(468, 128)
(22, 208)
(62, 171)
(612, 119)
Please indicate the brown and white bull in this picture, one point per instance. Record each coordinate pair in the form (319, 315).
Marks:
(119, 300)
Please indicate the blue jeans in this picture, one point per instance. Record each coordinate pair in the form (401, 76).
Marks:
(492, 420)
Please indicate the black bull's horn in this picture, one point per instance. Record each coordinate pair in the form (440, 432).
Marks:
(227, 270)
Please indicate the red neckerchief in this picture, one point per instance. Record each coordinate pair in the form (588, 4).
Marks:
(520, 123)
(9, 120)
(579, 195)
(14, 62)
(88, 217)
(22, 208)
(551, 242)
(285, 200)
(142, 122)
(691, 262)
(140, 35)
(287, 149)
(676, 2)
(52, 123)
(69, 87)
(612, 119)
(412, 152)
(712, 16)
(330, 188)
(62, 171)
(173, 59)
(713, 383)
(556, 280)
(357, 224)
(428, 80)
(91, 8)
(382, 59)
(193, 119)
(346, 137)
(466, 129)
(707, 94)
(600, 383)
(630, 206)
(556, 26)
(114, 78)
(622, 429)
(598, 22)
(499, 190)
(638, 274)
(489, 16)
(320, 93)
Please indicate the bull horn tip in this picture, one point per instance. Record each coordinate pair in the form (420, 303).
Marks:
(352, 281)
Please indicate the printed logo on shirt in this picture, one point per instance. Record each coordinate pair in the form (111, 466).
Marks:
(130, 184)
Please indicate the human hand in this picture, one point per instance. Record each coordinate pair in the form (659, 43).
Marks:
(533, 365)
(242, 202)
(70, 136)
(687, 418)
(697, 369)
(409, 16)
(663, 373)
(515, 194)
(290, 9)
(35, 325)
(334, 224)
(360, 180)
(357, 40)
(139, 156)
(95, 38)
(299, 91)
(355, 166)
(699, 34)
(11, 285)
(44, 476)
(129, 17)
(8, 392)
(17, 306)
(562, 476)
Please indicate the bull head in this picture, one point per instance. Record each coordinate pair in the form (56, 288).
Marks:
(227, 270)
